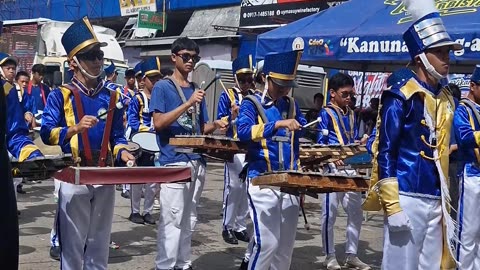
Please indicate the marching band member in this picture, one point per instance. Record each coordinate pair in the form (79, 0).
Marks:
(37, 90)
(467, 128)
(270, 122)
(70, 120)
(139, 119)
(410, 166)
(130, 88)
(139, 76)
(338, 126)
(111, 73)
(235, 193)
(174, 109)
(20, 146)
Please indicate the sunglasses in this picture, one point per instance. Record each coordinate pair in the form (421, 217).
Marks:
(187, 57)
(243, 81)
(91, 55)
(346, 94)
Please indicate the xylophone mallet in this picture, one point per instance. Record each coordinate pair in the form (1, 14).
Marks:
(102, 114)
(318, 120)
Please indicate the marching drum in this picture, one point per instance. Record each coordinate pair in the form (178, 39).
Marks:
(148, 143)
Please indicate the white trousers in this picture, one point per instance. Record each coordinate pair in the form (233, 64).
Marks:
(469, 223)
(352, 204)
(53, 234)
(235, 202)
(84, 224)
(148, 195)
(275, 217)
(421, 248)
(16, 182)
(178, 217)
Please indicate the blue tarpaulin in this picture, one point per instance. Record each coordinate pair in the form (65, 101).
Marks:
(367, 35)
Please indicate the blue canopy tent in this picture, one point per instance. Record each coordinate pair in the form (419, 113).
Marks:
(366, 35)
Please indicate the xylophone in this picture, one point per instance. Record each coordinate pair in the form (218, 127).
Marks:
(312, 182)
(123, 175)
(220, 147)
(314, 155)
(41, 168)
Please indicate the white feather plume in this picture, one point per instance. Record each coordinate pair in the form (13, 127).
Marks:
(420, 8)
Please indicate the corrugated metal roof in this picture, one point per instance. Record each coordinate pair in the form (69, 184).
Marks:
(202, 21)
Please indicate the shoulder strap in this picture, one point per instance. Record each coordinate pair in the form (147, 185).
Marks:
(470, 105)
(291, 107)
(106, 132)
(80, 114)
(145, 102)
(259, 108)
(179, 89)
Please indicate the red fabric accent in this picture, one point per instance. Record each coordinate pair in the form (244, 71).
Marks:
(106, 131)
(29, 91)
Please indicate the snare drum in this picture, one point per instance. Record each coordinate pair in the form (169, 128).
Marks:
(148, 143)
(146, 140)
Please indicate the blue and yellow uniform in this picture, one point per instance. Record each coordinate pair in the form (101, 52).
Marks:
(61, 113)
(138, 114)
(411, 160)
(235, 211)
(85, 212)
(274, 213)
(341, 126)
(20, 145)
(467, 130)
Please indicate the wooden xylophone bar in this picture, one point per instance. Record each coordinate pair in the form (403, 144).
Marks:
(329, 153)
(217, 146)
(312, 182)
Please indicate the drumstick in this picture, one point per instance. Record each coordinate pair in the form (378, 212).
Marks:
(217, 76)
(130, 163)
(118, 105)
(319, 119)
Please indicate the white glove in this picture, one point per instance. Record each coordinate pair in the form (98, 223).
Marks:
(399, 222)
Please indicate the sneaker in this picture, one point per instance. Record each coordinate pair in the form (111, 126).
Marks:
(118, 188)
(55, 253)
(156, 204)
(126, 194)
(149, 219)
(229, 237)
(353, 262)
(114, 245)
(331, 263)
(178, 268)
(20, 190)
(136, 218)
(242, 236)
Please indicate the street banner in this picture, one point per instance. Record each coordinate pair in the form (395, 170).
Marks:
(151, 20)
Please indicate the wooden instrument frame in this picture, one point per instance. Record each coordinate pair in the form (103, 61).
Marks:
(123, 175)
(219, 147)
(322, 183)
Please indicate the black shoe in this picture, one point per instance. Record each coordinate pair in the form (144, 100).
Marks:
(244, 265)
(136, 218)
(118, 188)
(149, 219)
(242, 236)
(126, 194)
(55, 253)
(229, 237)
(20, 190)
(178, 268)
